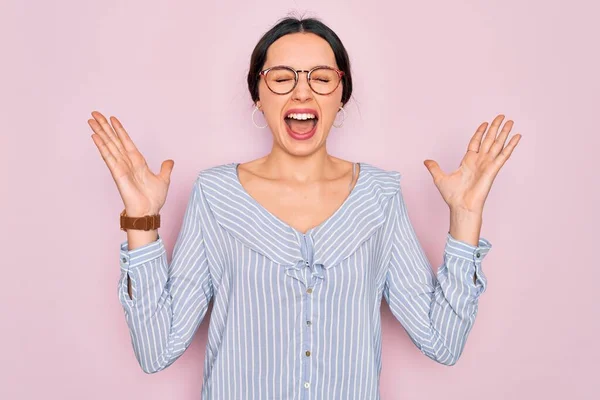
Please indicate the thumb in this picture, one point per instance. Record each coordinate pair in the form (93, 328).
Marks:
(433, 168)
(165, 170)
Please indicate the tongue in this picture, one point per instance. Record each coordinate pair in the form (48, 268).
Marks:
(300, 126)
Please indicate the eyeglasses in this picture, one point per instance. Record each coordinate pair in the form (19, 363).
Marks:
(321, 79)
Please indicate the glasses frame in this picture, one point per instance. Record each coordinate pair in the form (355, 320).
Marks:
(296, 72)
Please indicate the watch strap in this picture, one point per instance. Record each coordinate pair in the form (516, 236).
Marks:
(145, 223)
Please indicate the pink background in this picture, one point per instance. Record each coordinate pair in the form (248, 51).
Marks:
(426, 75)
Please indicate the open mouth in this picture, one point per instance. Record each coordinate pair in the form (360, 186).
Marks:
(301, 123)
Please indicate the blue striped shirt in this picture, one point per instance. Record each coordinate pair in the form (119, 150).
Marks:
(296, 316)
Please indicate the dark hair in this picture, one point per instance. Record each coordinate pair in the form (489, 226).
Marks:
(289, 25)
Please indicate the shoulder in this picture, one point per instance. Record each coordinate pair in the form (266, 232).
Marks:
(212, 182)
(217, 175)
(215, 172)
(385, 181)
(384, 188)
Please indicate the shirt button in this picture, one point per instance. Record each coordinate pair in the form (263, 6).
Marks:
(306, 262)
(307, 353)
(307, 384)
(309, 290)
(478, 254)
(124, 259)
(308, 323)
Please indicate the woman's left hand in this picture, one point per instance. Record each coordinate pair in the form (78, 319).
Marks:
(466, 189)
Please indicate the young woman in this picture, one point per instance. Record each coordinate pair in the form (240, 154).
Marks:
(298, 248)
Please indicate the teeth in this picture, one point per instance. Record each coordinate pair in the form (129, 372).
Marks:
(301, 116)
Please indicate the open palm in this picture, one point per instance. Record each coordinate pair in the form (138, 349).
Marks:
(143, 192)
(468, 187)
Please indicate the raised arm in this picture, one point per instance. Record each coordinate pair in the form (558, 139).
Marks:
(436, 312)
(169, 300)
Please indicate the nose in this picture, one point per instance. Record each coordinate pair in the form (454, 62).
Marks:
(302, 91)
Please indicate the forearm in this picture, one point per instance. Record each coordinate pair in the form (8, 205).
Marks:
(156, 335)
(138, 238)
(466, 226)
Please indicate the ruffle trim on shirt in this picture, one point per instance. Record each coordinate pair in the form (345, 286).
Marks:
(367, 212)
(245, 219)
(338, 237)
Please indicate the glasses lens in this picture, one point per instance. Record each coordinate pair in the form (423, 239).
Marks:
(324, 80)
(280, 80)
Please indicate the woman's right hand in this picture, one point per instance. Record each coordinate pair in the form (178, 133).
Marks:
(143, 192)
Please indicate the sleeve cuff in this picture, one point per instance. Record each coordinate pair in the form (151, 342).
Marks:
(133, 258)
(474, 255)
(467, 251)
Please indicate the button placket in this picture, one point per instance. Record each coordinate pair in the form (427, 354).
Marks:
(307, 253)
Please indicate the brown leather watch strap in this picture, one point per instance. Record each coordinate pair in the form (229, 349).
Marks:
(145, 223)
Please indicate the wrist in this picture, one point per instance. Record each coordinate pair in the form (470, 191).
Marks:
(466, 226)
(139, 221)
(140, 213)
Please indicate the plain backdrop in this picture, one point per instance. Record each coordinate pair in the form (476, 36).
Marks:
(426, 74)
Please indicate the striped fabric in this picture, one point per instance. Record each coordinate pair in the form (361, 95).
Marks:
(296, 316)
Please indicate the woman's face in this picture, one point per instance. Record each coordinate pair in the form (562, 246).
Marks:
(300, 51)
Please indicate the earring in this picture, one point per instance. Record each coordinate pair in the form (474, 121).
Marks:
(255, 124)
(343, 118)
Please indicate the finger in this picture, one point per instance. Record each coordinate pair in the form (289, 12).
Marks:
(165, 170)
(475, 141)
(507, 151)
(114, 151)
(109, 131)
(106, 154)
(491, 134)
(434, 169)
(501, 139)
(123, 135)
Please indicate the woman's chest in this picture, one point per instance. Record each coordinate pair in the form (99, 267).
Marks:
(239, 266)
(302, 211)
(301, 206)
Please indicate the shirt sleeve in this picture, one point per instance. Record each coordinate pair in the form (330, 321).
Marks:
(168, 301)
(436, 312)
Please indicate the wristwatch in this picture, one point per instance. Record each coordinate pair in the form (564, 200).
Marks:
(145, 223)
